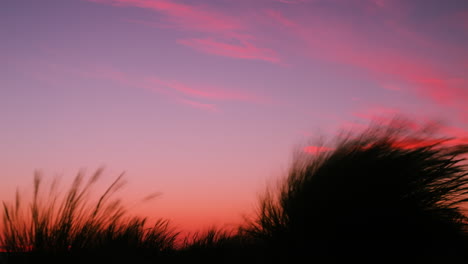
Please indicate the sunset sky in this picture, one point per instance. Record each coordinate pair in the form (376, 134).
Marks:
(206, 100)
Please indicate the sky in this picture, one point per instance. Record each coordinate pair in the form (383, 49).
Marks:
(205, 101)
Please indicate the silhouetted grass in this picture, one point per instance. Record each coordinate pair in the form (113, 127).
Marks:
(386, 194)
(217, 245)
(71, 226)
(211, 238)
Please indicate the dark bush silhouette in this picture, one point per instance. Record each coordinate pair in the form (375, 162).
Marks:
(389, 194)
(386, 194)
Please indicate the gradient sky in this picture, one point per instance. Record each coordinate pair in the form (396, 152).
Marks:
(205, 100)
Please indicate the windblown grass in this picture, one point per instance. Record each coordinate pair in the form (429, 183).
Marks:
(72, 224)
(388, 193)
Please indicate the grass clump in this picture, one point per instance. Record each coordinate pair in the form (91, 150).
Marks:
(385, 194)
(72, 226)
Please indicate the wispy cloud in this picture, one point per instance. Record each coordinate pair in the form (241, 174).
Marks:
(205, 91)
(195, 104)
(183, 16)
(243, 50)
(222, 34)
(172, 89)
(175, 90)
(334, 40)
(446, 91)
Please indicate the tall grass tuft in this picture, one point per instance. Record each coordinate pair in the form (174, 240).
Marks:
(72, 224)
(388, 193)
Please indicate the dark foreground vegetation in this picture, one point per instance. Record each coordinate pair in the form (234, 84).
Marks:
(389, 194)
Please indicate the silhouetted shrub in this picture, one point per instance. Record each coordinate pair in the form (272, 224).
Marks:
(389, 193)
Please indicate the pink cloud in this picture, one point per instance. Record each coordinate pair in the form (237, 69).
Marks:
(206, 92)
(245, 50)
(123, 78)
(157, 85)
(324, 38)
(221, 29)
(185, 16)
(198, 105)
(443, 91)
(174, 89)
(334, 40)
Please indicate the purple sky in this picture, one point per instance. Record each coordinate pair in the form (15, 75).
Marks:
(206, 100)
